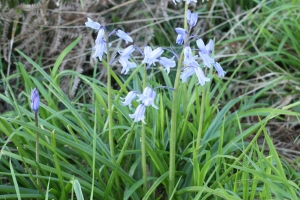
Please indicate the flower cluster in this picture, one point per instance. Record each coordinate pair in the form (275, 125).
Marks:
(191, 66)
(146, 99)
(152, 57)
(100, 42)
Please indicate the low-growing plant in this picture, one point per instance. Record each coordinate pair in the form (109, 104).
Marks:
(155, 132)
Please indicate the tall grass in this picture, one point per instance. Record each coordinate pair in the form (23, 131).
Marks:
(212, 160)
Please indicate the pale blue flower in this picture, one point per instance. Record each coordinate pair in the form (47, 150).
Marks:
(189, 60)
(100, 36)
(192, 18)
(200, 75)
(219, 69)
(121, 34)
(181, 35)
(35, 100)
(148, 97)
(151, 56)
(100, 49)
(175, 1)
(205, 52)
(167, 63)
(188, 72)
(127, 51)
(129, 98)
(91, 24)
(126, 64)
(139, 114)
(187, 1)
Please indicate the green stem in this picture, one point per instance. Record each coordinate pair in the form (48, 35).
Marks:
(110, 119)
(199, 135)
(173, 132)
(37, 145)
(143, 141)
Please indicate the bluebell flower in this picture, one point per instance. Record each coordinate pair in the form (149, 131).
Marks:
(121, 34)
(205, 52)
(151, 56)
(148, 97)
(175, 1)
(139, 114)
(188, 72)
(100, 35)
(181, 35)
(129, 98)
(100, 49)
(189, 59)
(35, 100)
(192, 18)
(187, 1)
(91, 24)
(200, 75)
(127, 51)
(126, 64)
(167, 63)
(219, 69)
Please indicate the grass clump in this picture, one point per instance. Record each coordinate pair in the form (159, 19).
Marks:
(207, 141)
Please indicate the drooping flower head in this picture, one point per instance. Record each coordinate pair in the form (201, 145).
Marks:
(181, 35)
(191, 18)
(139, 114)
(219, 69)
(187, 1)
(129, 98)
(151, 56)
(35, 100)
(167, 63)
(189, 59)
(127, 51)
(148, 97)
(91, 24)
(100, 49)
(126, 64)
(205, 52)
(121, 34)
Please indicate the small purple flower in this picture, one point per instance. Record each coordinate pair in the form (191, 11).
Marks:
(148, 97)
(121, 34)
(192, 18)
(200, 75)
(91, 24)
(126, 64)
(219, 69)
(167, 63)
(151, 56)
(127, 51)
(205, 52)
(128, 99)
(181, 35)
(139, 114)
(35, 100)
(99, 48)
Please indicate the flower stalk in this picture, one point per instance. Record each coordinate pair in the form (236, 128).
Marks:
(35, 105)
